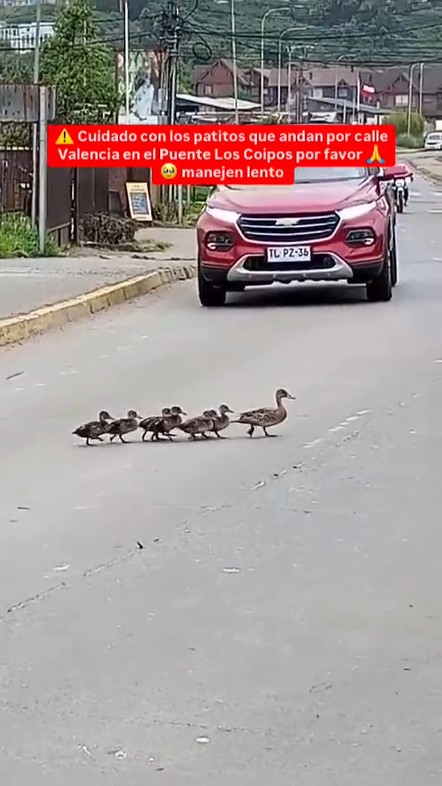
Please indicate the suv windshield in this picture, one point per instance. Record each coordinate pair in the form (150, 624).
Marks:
(305, 174)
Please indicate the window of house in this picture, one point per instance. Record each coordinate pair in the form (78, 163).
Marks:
(401, 99)
(208, 90)
(342, 92)
(439, 100)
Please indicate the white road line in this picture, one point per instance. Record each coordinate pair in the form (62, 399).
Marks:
(312, 444)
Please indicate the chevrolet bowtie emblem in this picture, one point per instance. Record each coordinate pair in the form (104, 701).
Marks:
(286, 222)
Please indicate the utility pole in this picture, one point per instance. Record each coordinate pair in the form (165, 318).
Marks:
(173, 30)
(34, 125)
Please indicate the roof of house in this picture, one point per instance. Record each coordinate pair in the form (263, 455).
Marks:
(342, 103)
(226, 104)
(382, 79)
(199, 72)
(325, 77)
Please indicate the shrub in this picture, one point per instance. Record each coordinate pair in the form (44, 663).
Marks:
(105, 230)
(18, 238)
(400, 121)
(404, 140)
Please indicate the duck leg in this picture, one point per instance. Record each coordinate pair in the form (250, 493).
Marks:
(250, 431)
(219, 435)
(264, 428)
(88, 441)
(122, 440)
(144, 436)
(112, 437)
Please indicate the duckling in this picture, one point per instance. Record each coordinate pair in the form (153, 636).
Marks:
(266, 416)
(221, 420)
(124, 425)
(95, 428)
(170, 419)
(173, 421)
(199, 425)
(154, 424)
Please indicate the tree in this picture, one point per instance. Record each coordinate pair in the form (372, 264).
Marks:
(14, 67)
(81, 68)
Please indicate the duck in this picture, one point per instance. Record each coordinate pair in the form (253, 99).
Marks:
(154, 424)
(95, 428)
(124, 425)
(169, 419)
(201, 424)
(220, 419)
(174, 421)
(266, 417)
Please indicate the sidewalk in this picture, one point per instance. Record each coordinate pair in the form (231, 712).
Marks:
(28, 284)
(427, 164)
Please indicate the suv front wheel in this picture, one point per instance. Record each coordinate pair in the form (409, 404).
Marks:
(209, 295)
(380, 289)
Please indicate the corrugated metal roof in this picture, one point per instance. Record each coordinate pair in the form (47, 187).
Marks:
(227, 103)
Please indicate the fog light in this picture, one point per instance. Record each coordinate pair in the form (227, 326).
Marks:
(219, 241)
(361, 237)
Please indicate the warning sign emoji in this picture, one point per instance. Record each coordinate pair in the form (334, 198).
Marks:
(64, 138)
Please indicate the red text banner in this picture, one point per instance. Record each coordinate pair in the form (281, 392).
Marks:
(250, 154)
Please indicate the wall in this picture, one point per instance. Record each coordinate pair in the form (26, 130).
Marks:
(220, 79)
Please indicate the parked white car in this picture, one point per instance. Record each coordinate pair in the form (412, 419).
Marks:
(433, 141)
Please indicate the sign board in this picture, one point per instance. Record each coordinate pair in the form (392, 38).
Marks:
(139, 201)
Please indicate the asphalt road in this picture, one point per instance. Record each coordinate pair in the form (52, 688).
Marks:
(282, 623)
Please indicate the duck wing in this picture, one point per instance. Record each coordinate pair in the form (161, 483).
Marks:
(116, 426)
(90, 429)
(255, 416)
(149, 423)
(197, 424)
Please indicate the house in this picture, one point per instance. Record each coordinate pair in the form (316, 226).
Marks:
(392, 88)
(217, 80)
(22, 36)
(390, 85)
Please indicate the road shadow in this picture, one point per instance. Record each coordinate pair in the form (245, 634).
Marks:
(299, 296)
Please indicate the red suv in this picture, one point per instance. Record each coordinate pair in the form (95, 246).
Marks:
(333, 224)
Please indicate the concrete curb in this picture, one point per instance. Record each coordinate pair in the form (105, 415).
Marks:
(428, 174)
(20, 328)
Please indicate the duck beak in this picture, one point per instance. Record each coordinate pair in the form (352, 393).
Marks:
(231, 411)
(292, 397)
(184, 413)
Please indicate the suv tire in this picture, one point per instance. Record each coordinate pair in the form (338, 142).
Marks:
(209, 295)
(380, 289)
(393, 263)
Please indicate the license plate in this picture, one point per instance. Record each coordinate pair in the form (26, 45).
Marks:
(289, 254)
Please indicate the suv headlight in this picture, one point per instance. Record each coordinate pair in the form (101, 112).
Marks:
(227, 216)
(356, 211)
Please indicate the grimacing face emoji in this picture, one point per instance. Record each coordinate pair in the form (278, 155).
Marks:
(168, 171)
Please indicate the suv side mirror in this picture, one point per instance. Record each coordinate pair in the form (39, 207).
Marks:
(389, 173)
